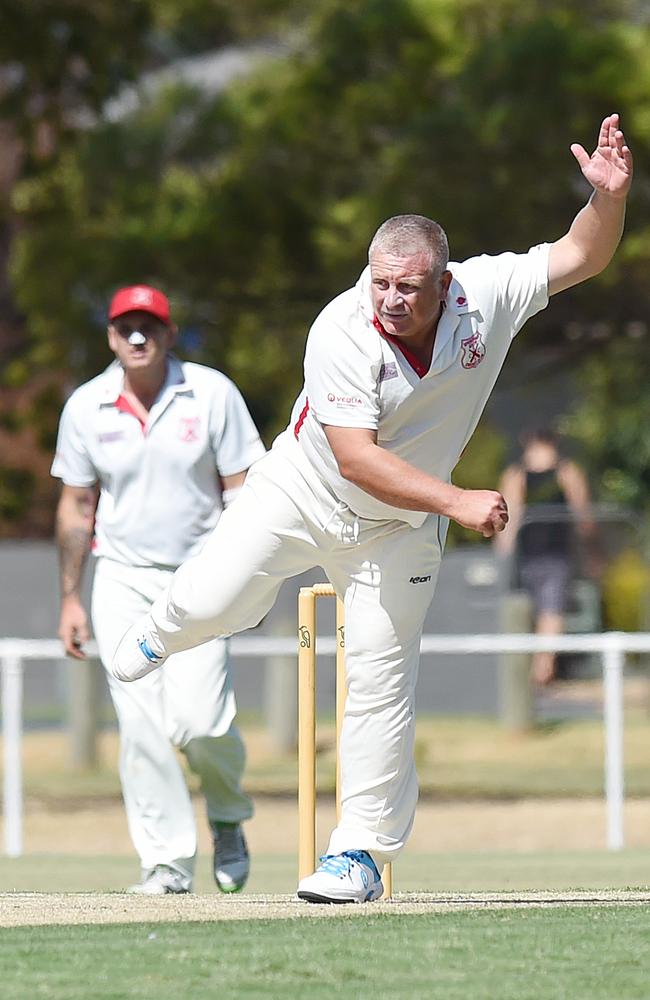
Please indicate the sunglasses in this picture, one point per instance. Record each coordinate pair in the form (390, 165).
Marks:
(148, 328)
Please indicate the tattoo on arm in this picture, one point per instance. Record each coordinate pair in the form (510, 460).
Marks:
(74, 545)
(74, 531)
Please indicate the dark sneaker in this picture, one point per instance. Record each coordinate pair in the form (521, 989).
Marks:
(350, 877)
(161, 880)
(231, 860)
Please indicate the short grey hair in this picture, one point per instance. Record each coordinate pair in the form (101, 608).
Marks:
(405, 235)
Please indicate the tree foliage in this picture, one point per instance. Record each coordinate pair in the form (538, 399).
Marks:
(60, 61)
(254, 207)
(611, 418)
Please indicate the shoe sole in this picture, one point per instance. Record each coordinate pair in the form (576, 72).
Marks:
(314, 897)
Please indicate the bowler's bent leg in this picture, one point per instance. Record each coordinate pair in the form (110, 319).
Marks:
(258, 543)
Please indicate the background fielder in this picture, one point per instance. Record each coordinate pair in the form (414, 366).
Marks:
(397, 372)
(163, 445)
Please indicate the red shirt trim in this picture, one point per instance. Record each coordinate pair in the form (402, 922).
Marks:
(417, 366)
(123, 405)
(301, 419)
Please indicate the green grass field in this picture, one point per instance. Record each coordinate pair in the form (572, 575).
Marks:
(596, 952)
(520, 952)
(543, 951)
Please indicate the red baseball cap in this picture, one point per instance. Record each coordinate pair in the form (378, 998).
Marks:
(139, 298)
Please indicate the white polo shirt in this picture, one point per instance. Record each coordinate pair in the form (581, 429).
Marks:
(355, 376)
(160, 493)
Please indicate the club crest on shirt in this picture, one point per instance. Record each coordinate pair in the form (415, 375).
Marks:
(189, 429)
(473, 351)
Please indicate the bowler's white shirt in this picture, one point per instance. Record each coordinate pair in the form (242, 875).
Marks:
(160, 494)
(355, 376)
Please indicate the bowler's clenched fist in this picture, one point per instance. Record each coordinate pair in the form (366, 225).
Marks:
(481, 510)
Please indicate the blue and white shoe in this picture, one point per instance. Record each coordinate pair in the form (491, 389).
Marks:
(350, 877)
(136, 655)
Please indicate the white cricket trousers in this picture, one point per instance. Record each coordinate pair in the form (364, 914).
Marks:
(284, 522)
(188, 704)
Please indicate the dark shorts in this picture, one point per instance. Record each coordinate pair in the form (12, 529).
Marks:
(546, 579)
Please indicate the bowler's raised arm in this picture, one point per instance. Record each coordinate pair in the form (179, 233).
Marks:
(595, 233)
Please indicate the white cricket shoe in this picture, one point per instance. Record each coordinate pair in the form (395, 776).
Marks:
(161, 880)
(136, 655)
(350, 877)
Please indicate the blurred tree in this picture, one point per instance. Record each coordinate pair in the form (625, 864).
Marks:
(195, 25)
(611, 418)
(60, 62)
(254, 207)
(626, 592)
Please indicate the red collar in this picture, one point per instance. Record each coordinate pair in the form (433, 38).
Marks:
(122, 404)
(415, 363)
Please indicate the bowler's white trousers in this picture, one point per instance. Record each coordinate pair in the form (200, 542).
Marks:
(284, 522)
(189, 703)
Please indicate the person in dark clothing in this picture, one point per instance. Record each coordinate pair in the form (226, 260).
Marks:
(548, 501)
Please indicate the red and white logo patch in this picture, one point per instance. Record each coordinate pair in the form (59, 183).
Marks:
(189, 429)
(142, 297)
(473, 351)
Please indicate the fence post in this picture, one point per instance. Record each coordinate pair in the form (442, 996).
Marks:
(515, 690)
(82, 712)
(613, 660)
(12, 730)
(281, 691)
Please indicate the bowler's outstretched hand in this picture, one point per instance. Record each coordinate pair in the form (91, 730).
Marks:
(609, 168)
